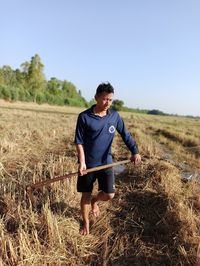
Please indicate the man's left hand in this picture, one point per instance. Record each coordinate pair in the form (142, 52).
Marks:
(136, 158)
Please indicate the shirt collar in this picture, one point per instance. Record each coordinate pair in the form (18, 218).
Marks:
(92, 108)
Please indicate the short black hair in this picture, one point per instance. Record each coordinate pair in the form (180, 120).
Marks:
(104, 87)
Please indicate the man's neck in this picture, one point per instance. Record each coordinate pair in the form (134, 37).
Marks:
(99, 112)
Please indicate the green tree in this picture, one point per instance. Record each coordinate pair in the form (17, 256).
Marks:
(69, 89)
(54, 86)
(25, 67)
(1, 77)
(20, 79)
(35, 77)
(8, 76)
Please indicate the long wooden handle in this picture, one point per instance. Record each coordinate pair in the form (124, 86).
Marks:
(90, 170)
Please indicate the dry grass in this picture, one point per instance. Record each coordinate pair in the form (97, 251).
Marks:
(153, 219)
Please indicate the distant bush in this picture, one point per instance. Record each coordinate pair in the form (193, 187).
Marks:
(40, 98)
(135, 110)
(14, 93)
(53, 99)
(155, 112)
(117, 105)
(5, 92)
(23, 95)
(75, 102)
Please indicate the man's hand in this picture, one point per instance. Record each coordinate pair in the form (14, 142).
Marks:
(136, 158)
(82, 168)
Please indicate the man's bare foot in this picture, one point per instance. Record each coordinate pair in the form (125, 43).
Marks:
(95, 208)
(85, 229)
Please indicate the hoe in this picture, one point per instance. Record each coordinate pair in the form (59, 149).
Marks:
(39, 184)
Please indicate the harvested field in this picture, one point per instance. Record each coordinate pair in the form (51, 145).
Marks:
(154, 218)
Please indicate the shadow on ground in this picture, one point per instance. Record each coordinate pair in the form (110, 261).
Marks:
(146, 229)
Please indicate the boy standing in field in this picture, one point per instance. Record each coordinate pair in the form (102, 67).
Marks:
(95, 130)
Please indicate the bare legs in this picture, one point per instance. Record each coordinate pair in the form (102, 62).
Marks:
(85, 209)
(101, 196)
(86, 201)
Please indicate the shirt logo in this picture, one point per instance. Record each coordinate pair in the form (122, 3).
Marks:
(111, 129)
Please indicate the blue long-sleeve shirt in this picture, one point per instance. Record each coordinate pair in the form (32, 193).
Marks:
(96, 135)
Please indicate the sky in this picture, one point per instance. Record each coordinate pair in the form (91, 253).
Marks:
(149, 50)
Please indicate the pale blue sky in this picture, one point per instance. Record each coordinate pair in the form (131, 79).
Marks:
(148, 49)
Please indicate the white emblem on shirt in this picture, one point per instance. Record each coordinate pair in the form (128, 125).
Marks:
(111, 129)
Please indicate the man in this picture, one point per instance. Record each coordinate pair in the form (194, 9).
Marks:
(94, 134)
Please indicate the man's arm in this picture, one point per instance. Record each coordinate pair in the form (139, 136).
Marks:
(81, 158)
(129, 141)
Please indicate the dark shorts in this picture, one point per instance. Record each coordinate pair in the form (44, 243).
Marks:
(105, 178)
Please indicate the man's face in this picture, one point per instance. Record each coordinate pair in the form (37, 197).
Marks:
(104, 100)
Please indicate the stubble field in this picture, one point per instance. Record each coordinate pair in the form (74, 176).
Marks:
(154, 218)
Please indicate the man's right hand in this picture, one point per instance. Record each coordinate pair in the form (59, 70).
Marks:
(82, 169)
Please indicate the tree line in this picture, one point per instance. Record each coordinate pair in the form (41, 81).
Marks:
(28, 83)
